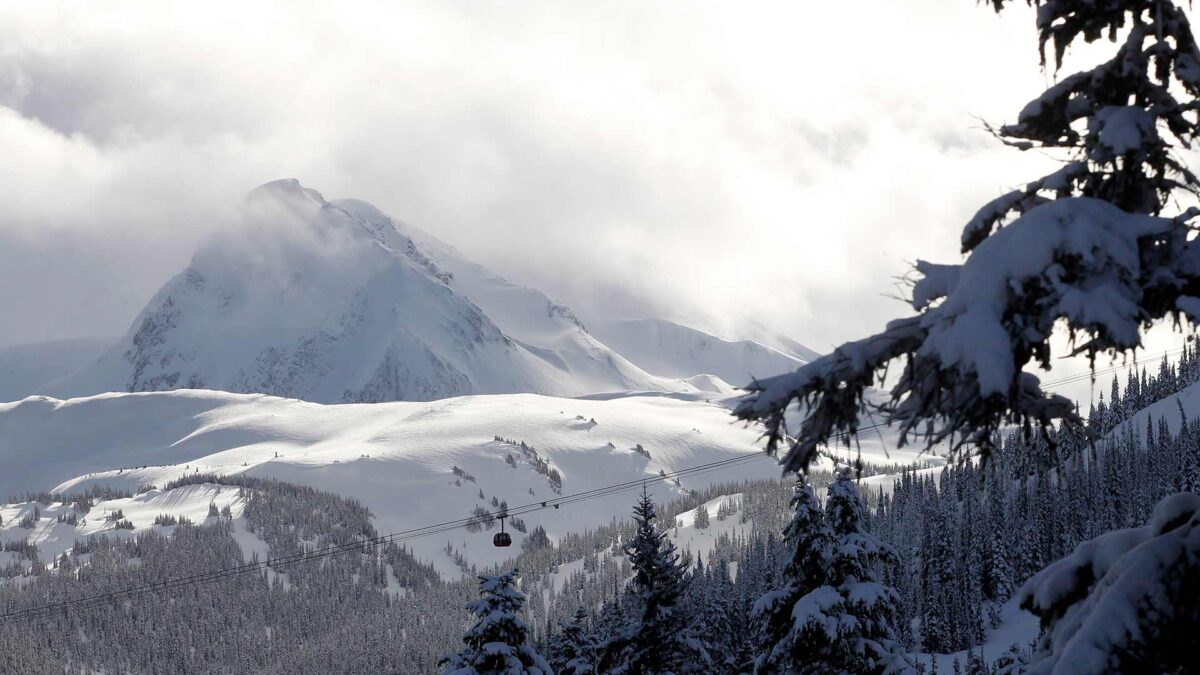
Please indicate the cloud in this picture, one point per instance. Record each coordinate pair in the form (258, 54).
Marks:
(703, 161)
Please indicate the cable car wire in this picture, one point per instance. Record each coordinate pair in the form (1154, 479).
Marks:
(370, 543)
(362, 545)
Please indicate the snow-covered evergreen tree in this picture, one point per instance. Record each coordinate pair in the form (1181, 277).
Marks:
(808, 543)
(997, 578)
(496, 643)
(868, 640)
(717, 626)
(572, 650)
(1125, 601)
(846, 621)
(1086, 246)
(656, 640)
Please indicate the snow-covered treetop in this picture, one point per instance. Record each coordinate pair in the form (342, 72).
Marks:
(497, 641)
(1086, 246)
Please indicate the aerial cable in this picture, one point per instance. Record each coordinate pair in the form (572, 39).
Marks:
(363, 545)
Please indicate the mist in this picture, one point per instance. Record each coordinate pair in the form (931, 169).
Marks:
(701, 162)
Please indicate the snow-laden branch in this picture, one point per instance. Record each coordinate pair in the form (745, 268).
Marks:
(1084, 246)
(1103, 272)
(1093, 603)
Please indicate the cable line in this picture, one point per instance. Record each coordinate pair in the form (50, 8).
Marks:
(369, 544)
(363, 545)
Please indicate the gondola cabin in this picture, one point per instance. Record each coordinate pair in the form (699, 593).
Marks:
(501, 538)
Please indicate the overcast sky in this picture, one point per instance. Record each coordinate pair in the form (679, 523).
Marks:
(699, 161)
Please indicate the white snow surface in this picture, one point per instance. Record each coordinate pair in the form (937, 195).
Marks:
(190, 501)
(711, 384)
(396, 458)
(756, 331)
(1016, 627)
(700, 542)
(335, 302)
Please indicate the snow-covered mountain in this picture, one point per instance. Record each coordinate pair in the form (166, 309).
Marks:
(335, 302)
(671, 350)
(528, 316)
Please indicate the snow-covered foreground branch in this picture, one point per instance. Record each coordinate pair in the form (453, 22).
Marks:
(1085, 247)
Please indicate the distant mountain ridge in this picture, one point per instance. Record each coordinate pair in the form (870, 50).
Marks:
(671, 350)
(544, 327)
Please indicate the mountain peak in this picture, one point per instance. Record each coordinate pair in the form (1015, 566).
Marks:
(330, 302)
(288, 190)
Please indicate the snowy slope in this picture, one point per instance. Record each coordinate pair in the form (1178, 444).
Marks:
(676, 351)
(25, 369)
(756, 331)
(397, 458)
(1167, 409)
(313, 300)
(53, 537)
(697, 543)
(528, 316)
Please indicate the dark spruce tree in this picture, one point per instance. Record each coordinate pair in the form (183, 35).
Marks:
(718, 616)
(572, 650)
(832, 615)
(866, 637)
(656, 640)
(496, 643)
(808, 544)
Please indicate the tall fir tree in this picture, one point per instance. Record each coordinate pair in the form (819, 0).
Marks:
(870, 638)
(716, 629)
(808, 543)
(847, 622)
(657, 640)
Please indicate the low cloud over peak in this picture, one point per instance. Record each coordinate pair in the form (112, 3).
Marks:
(703, 163)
